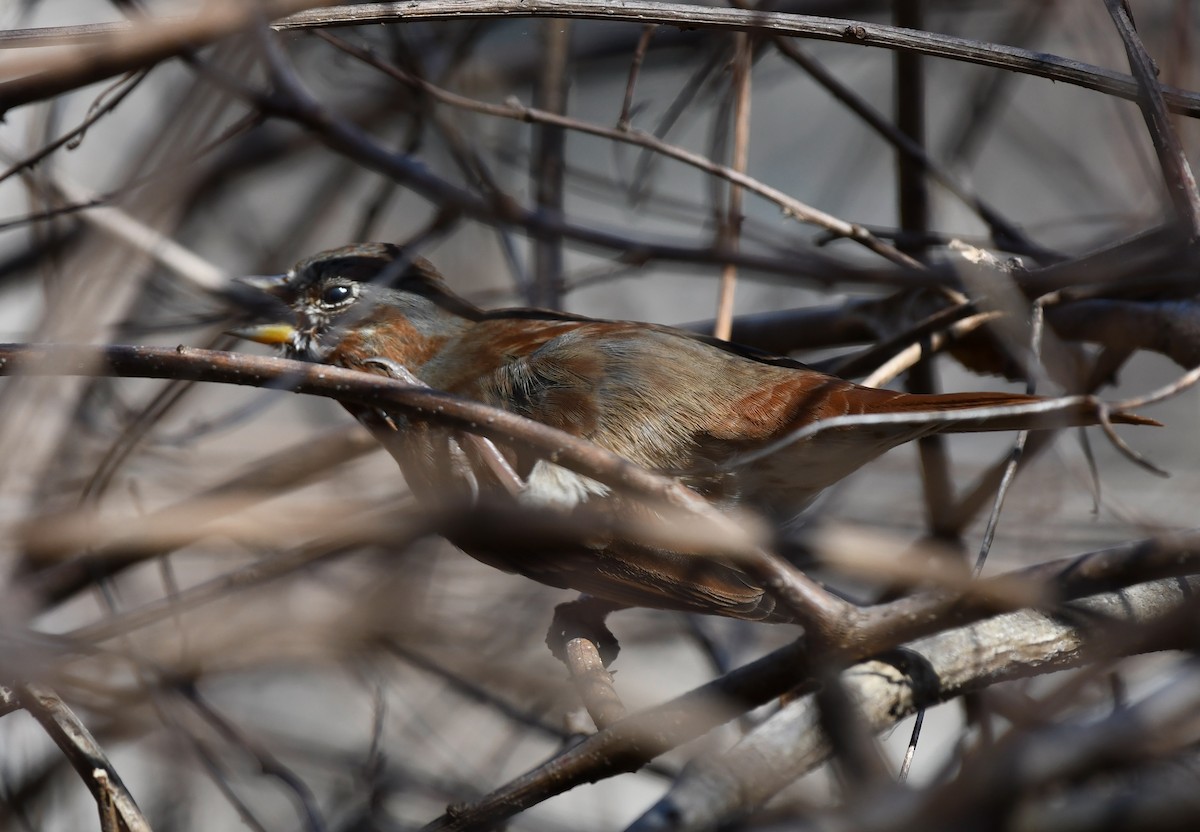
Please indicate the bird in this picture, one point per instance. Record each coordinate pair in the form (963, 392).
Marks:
(709, 413)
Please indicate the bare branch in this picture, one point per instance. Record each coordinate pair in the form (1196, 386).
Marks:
(850, 32)
(113, 50)
(887, 690)
(86, 756)
(1181, 184)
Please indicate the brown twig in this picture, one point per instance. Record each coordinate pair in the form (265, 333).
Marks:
(126, 48)
(85, 755)
(268, 763)
(633, 741)
(624, 120)
(1126, 450)
(1177, 173)
(853, 32)
(731, 227)
(1036, 331)
(1167, 391)
(294, 467)
(928, 345)
(120, 47)
(1005, 234)
(548, 163)
(791, 206)
(122, 89)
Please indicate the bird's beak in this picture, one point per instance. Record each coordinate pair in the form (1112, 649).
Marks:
(272, 334)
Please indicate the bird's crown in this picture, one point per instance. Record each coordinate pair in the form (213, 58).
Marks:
(337, 276)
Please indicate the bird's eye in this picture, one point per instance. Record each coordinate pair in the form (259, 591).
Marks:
(336, 294)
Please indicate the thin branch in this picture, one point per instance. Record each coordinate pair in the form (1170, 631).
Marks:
(1062, 407)
(122, 89)
(265, 478)
(929, 345)
(1125, 448)
(731, 228)
(268, 763)
(85, 755)
(635, 67)
(475, 691)
(637, 739)
(1167, 391)
(119, 47)
(1005, 234)
(851, 32)
(1180, 182)
(548, 168)
(1036, 331)
(791, 206)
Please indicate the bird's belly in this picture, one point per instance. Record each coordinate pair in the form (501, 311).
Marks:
(552, 486)
(784, 483)
(437, 468)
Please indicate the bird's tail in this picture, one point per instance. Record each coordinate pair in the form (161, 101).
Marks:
(974, 412)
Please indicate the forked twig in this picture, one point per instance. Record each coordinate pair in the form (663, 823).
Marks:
(85, 755)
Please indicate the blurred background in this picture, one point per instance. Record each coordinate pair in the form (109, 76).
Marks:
(251, 661)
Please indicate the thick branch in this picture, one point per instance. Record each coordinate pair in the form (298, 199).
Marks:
(722, 789)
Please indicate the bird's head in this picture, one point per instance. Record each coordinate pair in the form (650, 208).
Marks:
(353, 289)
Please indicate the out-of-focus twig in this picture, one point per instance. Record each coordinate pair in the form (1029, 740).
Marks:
(136, 234)
(121, 89)
(118, 49)
(294, 467)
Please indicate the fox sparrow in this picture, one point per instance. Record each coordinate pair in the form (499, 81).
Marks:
(669, 400)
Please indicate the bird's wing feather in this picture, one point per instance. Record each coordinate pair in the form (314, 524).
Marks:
(631, 574)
